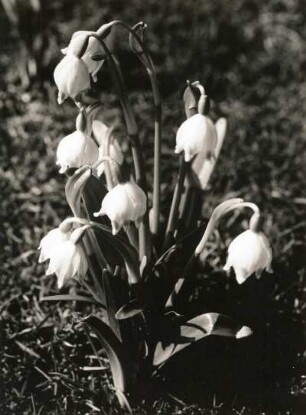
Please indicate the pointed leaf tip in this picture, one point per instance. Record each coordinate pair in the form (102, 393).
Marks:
(245, 331)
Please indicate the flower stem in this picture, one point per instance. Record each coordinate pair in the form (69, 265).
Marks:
(217, 214)
(174, 210)
(144, 232)
(146, 60)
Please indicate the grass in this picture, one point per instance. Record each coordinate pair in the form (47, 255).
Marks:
(251, 57)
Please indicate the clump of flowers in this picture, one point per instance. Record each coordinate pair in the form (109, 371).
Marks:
(114, 237)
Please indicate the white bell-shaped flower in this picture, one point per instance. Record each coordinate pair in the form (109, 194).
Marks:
(71, 77)
(122, 204)
(76, 150)
(51, 241)
(67, 261)
(93, 47)
(196, 135)
(249, 252)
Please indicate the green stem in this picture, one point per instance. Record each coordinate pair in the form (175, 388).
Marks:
(174, 210)
(156, 178)
(217, 214)
(145, 58)
(144, 232)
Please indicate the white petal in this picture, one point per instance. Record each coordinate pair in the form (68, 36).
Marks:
(241, 274)
(76, 150)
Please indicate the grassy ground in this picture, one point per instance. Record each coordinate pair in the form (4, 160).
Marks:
(251, 57)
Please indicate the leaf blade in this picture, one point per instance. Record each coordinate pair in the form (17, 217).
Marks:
(196, 329)
(68, 297)
(120, 365)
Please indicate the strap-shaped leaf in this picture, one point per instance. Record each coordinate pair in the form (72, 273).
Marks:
(130, 309)
(119, 363)
(123, 250)
(167, 269)
(93, 193)
(112, 288)
(69, 297)
(184, 247)
(74, 188)
(196, 329)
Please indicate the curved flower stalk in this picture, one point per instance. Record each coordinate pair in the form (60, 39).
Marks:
(96, 126)
(115, 156)
(124, 203)
(71, 77)
(110, 154)
(253, 257)
(99, 131)
(250, 251)
(136, 40)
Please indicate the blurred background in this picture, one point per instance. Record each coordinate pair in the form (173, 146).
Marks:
(251, 57)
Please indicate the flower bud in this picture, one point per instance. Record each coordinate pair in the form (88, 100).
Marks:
(90, 46)
(122, 204)
(68, 260)
(249, 252)
(190, 100)
(51, 241)
(196, 135)
(71, 77)
(139, 29)
(76, 150)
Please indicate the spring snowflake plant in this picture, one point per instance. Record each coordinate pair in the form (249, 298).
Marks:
(113, 245)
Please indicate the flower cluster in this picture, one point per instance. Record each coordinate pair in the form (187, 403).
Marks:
(93, 144)
(118, 244)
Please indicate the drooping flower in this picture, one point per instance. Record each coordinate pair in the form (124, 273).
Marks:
(71, 77)
(51, 241)
(122, 204)
(93, 48)
(196, 135)
(249, 252)
(76, 150)
(67, 261)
